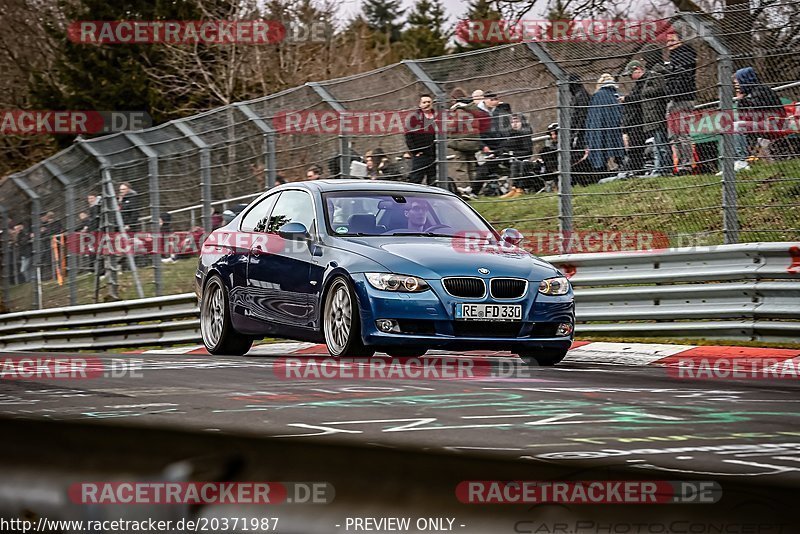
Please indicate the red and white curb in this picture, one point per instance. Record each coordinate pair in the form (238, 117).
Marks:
(631, 354)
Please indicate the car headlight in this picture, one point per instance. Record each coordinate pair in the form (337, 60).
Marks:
(397, 282)
(554, 286)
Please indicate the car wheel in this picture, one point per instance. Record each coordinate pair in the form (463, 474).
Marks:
(219, 337)
(543, 357)
(406, 353)
(341, 322)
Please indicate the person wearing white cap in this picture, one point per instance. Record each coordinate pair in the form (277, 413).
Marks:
(603, 135)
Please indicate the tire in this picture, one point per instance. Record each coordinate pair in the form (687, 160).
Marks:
(219, 337)
(341, 321)
(543, 357)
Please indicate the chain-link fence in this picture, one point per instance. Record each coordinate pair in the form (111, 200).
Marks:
(691, 135)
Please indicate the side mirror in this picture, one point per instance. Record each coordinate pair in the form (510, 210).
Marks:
(294, 231)
(512, 236)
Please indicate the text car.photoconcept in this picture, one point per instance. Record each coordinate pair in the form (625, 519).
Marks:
(372, 266)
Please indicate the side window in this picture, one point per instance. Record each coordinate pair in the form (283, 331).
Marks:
(292, 206)
(256, 218)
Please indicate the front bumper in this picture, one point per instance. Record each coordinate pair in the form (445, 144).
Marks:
(426, 319)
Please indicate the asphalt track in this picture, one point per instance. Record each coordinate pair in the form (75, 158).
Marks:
(642, 418)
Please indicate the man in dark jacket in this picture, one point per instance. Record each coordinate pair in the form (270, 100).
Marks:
(519, 148)
(633, 119)
(649, 78)
(128, 205)
(681, 90)
(494, 124)
(421, 142)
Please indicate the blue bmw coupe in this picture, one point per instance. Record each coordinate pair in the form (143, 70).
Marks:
(368, 266)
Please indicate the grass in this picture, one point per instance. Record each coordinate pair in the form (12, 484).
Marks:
(768, 199)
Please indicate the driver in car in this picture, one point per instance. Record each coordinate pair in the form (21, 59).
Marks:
(417, 215)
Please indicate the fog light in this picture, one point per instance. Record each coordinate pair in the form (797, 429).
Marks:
(387, 325)
(564, 329)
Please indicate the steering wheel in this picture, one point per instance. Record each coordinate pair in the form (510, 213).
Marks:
(436, 227)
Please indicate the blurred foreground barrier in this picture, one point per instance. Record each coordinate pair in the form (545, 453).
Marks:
(743, 292)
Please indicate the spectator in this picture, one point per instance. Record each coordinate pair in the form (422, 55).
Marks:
(313, 173)
(468, 145)
(379, 167)
(580, 109)
(654, 106)
(603, 121)
(421, 143)
(519, 147)
(579, 156)
(546, 163)
(633, 121)
(280, 179)
(494, 131)
(681, 90)
(758, 101)
(128, 205)
(93, 224)
(49, 227)
(21, 240)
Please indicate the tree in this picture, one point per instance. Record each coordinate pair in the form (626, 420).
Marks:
(480, 11)
(425, 35)
(383, 16)
(107, 76)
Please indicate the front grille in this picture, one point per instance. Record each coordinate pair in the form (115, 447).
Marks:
(507, 288)
(465, 287)
(486, 328)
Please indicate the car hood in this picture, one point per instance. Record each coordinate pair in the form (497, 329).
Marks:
(436, 257)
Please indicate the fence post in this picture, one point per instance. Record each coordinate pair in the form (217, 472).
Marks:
(564, 117)
(269, 141)
(155, 203)
(6, 252)
(72, 259)
(36, 213)
(730, 215)
(205, 171)
(344, 140)
(108, 192)
(442, 176)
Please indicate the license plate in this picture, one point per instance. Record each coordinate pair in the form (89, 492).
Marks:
(489, 312)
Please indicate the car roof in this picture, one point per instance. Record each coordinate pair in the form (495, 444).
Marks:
(345, 184)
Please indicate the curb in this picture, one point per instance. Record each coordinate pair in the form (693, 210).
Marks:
(632, 354)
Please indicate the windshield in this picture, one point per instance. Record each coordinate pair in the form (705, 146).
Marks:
(365, 213)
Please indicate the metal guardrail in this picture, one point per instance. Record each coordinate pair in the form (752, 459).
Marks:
(743, 292)
(130, 323)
